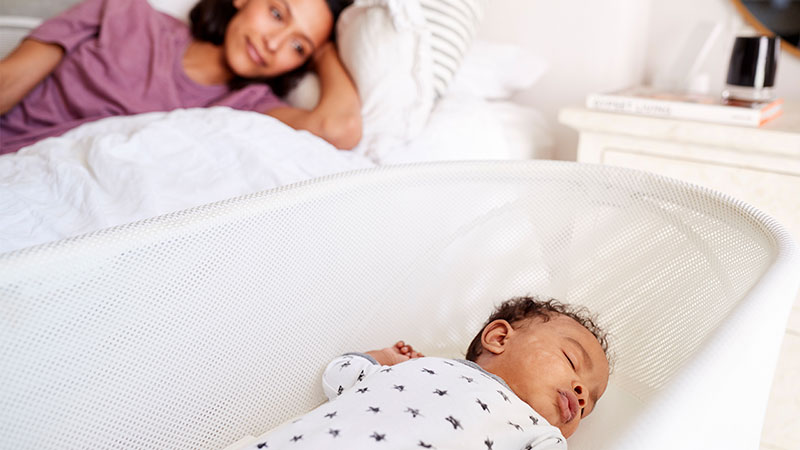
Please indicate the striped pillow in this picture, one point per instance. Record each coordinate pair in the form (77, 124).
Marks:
(452, 25)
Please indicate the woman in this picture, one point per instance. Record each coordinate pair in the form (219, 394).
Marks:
(118, 57)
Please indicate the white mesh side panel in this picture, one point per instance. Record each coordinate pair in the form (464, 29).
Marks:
(195, 329)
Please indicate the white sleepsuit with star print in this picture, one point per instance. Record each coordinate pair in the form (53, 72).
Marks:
(422, 403)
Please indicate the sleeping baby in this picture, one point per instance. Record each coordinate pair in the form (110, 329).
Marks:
(534, 371)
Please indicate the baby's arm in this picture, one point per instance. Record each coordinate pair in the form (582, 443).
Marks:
(398, 353)
(346, 371)
(547, 443)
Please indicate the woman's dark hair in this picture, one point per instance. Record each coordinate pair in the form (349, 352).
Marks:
(209, 21)
(521, 308)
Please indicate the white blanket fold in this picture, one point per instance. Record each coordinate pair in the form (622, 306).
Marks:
(123, 169)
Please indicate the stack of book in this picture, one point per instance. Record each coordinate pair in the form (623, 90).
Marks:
(647, 101)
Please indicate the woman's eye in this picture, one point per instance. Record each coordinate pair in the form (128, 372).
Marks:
(298, 47)
(276, 14)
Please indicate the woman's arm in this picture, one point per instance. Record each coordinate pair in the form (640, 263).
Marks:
(337, 116)
(24, 68)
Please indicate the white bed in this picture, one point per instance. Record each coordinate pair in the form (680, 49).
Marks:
(124, 169)
(132, 336)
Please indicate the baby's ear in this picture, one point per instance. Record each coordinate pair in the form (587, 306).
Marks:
(494, 336)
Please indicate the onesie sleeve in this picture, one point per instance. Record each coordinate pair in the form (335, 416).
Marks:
(81, 22)
(345, 371)
(548, 441)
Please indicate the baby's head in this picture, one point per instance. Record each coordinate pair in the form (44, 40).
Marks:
(551, 355)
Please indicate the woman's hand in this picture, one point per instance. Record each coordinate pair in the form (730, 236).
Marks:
(320, 53)
(337, 116)
(398, 353)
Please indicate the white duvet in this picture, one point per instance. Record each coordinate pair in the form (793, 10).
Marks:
(124, 169)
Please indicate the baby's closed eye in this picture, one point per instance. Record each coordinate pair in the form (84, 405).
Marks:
(570, 360)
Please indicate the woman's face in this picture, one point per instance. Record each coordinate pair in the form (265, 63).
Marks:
(267, 38)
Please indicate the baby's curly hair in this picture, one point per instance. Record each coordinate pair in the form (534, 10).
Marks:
(519, 308)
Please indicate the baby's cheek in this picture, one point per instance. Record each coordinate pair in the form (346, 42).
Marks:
(552, 362)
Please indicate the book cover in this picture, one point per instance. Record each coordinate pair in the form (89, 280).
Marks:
(650, 102)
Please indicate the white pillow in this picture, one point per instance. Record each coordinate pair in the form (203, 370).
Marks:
(402, 55)
(384, 46)
(176, 8)
(13, 29)
(496, 71)
(452, 25)
(464, 127)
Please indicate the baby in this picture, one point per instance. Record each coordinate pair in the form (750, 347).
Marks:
(534, 371)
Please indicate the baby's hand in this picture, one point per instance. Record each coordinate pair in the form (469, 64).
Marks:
(390, 356)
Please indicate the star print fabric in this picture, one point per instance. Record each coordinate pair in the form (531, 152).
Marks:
(431, 403)
(346, 371)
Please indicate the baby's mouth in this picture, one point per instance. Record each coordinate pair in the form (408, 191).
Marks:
(568, 405)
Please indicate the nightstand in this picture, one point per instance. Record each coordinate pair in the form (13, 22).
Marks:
(758, 165)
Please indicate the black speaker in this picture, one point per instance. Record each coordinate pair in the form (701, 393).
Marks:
(751, 71)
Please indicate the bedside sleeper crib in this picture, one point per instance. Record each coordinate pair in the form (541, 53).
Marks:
(194, 329)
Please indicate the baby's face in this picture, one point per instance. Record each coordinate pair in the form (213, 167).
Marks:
(558, 367)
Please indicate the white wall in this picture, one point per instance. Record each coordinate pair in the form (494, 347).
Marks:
(591, 46)
(671, 22)
(598, 46)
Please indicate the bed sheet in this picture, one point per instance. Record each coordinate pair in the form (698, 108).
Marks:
(123, 169)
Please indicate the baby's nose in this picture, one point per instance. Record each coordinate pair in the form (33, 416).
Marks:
(580, 392)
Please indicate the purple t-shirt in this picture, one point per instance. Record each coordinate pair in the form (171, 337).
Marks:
(121, 57)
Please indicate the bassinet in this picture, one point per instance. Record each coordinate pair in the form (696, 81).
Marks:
(195, 329)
